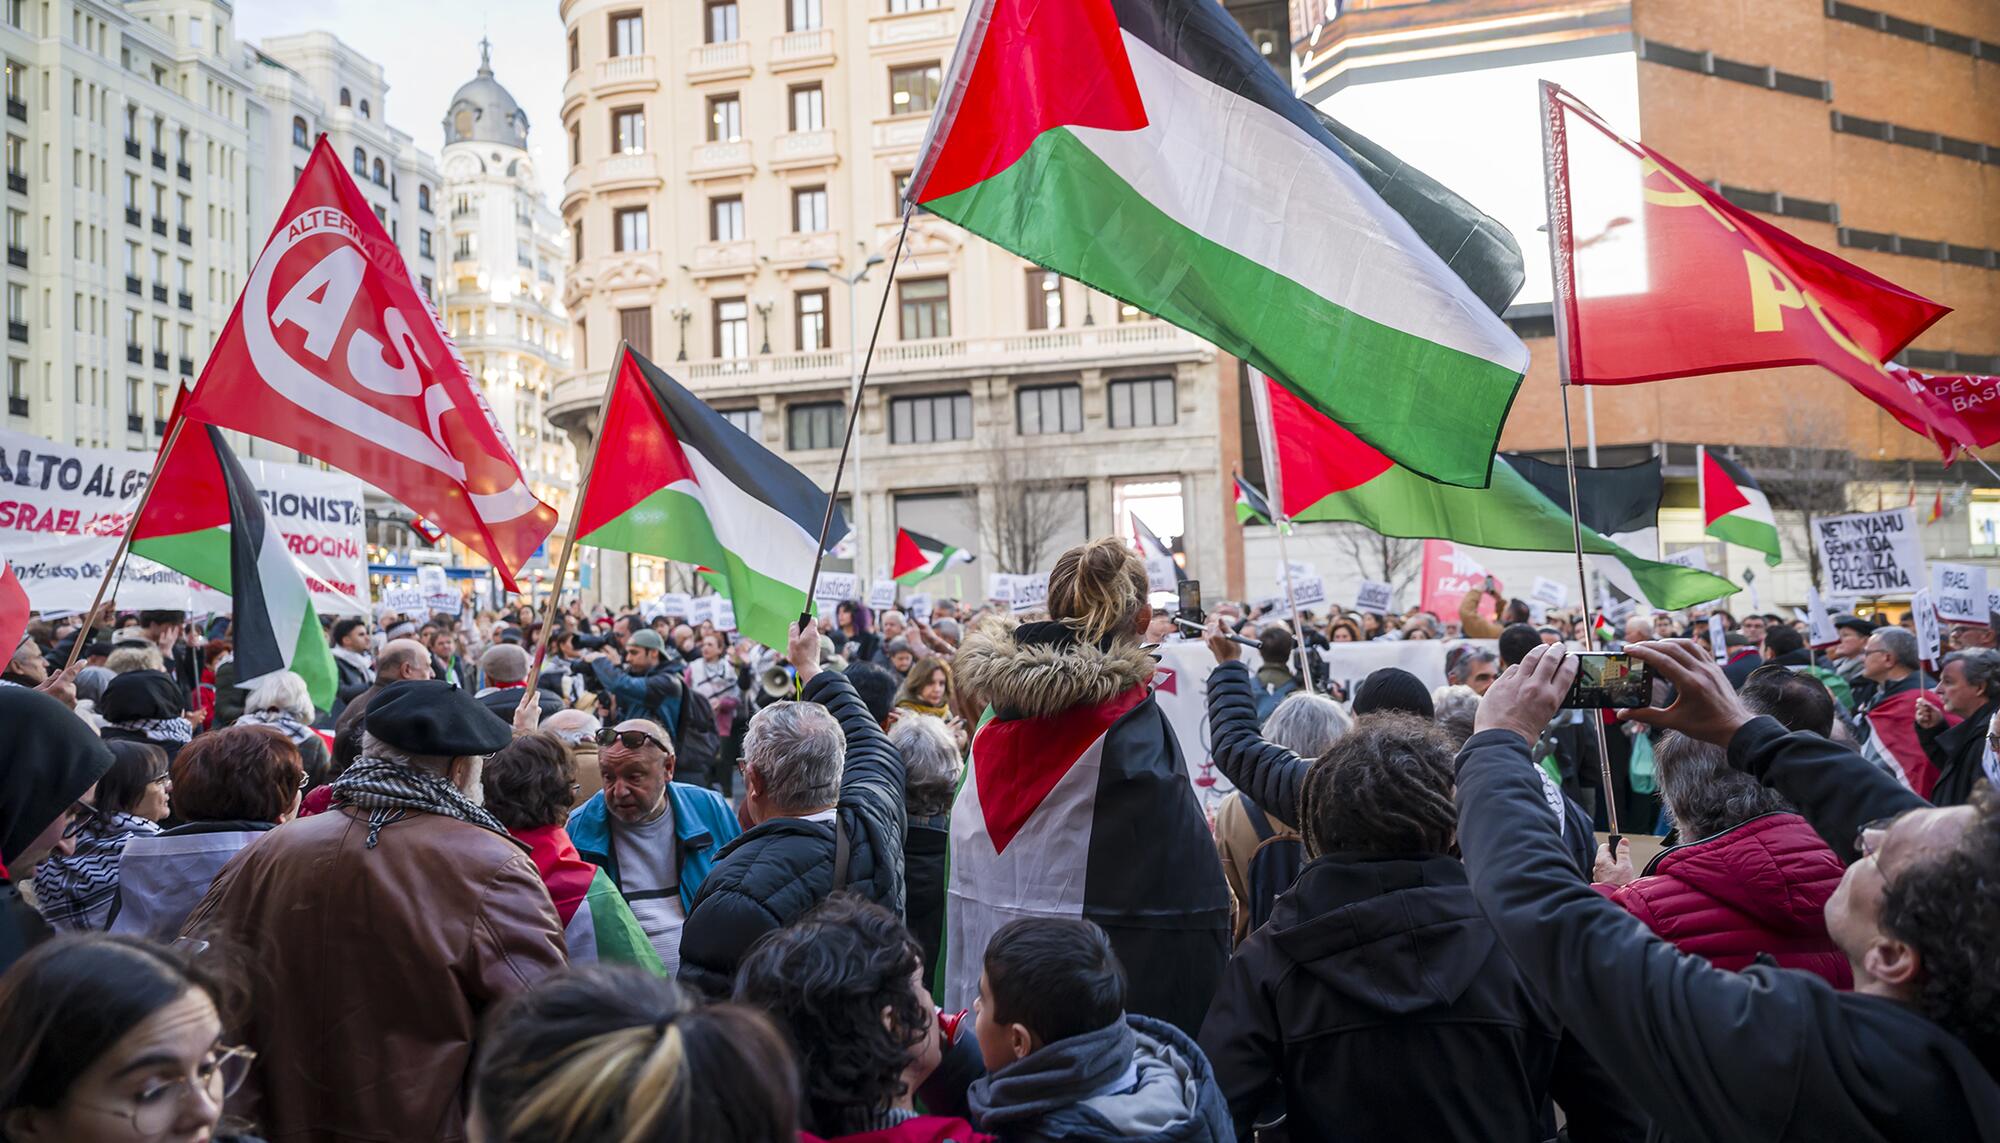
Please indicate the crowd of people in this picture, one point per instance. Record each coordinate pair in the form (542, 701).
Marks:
(943, 876)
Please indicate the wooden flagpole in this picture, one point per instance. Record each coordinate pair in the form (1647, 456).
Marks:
(575, 514)
(125, 542)
(1274, 492)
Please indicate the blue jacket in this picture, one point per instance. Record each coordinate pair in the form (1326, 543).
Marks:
(655, 695)
(703, 824)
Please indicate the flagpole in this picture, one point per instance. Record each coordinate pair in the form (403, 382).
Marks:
(1274, 491)
(853, 417)
(575, 515)
(1554, 171)
(124, 542)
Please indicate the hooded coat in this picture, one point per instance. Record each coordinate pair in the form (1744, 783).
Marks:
(48, 758)
(1138, 1080)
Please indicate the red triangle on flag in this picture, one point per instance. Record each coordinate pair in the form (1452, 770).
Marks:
(13, 609)
(1018, 761)
(1719, 494)
(909, 557)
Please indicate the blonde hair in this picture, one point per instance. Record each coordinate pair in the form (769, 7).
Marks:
(1098, 588)
(641, 1067)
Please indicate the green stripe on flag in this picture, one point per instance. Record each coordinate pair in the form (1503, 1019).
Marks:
(201, 555)
(1747, 533)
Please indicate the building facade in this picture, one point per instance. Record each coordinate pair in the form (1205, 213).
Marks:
(503, 250)
(733, 200)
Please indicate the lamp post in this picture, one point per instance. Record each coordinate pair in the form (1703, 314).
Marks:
(852, 282)
(681, 314)
(764, 308)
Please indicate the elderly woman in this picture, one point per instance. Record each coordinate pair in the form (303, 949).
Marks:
(230, 787)
(932, 764)
(77, 889)
(146, 706)
(280, 701)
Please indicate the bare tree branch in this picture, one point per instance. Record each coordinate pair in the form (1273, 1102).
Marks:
(1023, 513)
(1385, 559)
(1810, 473)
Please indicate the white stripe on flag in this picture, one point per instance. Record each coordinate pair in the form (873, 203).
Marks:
(769, 542)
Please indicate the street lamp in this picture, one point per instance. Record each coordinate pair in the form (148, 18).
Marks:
(764, 307)
(681, 314)
(854, 394)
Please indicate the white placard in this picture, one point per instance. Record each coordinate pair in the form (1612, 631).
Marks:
(1000, 587)
(1961, 593)
(1162, 574)
(431, 578)
(1375, 596)
(674, 603)
(1031, 592)
(1820, 631)
(701, 609)
(448, 601)
(835, 588)
(1869, 553)
(1689, 558)
(1549, 592)
(1300, 570)
(404, 598)
(1929, 646)
(1718, 639)
(882, 594)
(725, 614)
(919, 606)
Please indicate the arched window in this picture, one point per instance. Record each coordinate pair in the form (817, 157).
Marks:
(462, 123)
(423, 198)
(300, 138)
(379, 177)
(346, 100)
(360, 162)
(364, 109)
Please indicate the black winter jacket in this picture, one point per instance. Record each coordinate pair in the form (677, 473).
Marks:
(1765, 1053)
(1378, 1004)
(926, 861)
(773, 873)
(1958, 753)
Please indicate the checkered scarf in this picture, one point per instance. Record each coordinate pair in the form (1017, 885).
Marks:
(390, 791)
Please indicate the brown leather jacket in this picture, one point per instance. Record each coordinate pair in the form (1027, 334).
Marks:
(369, 969)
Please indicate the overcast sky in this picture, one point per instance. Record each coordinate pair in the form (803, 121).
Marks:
(427, 48)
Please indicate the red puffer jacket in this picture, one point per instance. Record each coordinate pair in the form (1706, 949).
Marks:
(1758, 888)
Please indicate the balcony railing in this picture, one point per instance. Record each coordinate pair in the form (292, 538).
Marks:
(17, 182)
(136, 354)
(132, 149)
(186, 365)
(185, 171)
(134, 217)
(133, 286)
(184, 236)
(640, 168)
(1123, 342)
(809, 48)
(17, 256)
(159, 292)
(159, 160)
(17, 406)
(713, 259)
(803, 149)
(17, 330)
(718, 160)
(159, 226)
(626, 73)
(719, 61)
(135, 422)
(184, 300)
(16, 109)
(159, 359)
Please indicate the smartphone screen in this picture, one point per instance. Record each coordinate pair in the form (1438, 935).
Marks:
(1610, 680)
(1190, 597)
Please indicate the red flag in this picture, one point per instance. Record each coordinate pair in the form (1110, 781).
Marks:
(331, 350)
(1660, 277)
(1894, 741)
(13, 609)
(1449, 573)
(1937, 508)
(1975, 400)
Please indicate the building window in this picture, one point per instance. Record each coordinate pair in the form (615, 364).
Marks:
(1129, 312)
(899, 186)
(1045, 300)
(925, 310)
(809, 210)
(805, 15)
(913, 88)
(631, 232)
(582, 344)
(628, 34)
(424, 199)
(576, 144)
(808, 107)
(628, 130)
(896, 6)
(926, 420)
(725, 118)
(575, 53)
(346, 100)
(725, 219)
(364, 109)
(360, 162)
(378, 176)
(1046, 409)
(809, 328)
(721, 24)
(300, 138)
(732, 328)
(820, 424)
(424, 243)
(635, 325)
(1143, 403)
(467, 248)
(749, 421)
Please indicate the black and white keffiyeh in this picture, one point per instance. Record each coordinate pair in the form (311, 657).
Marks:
(76, 889)
(389, 791)
(158, 729)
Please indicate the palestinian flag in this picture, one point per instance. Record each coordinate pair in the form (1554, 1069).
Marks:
(205, 521)
(1145, 148)
(1162, 572)
(918, 557)
(1325, 473)
(1619, 502)
(679, 482)
(1733, 509)
(597, 923)
(1088, 812)
(1893, 744)
(1250, 504)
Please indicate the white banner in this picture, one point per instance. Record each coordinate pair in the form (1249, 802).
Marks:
(1869, 553)
(882, 594)
(63, 509)
(1161, 573)
(1307, 594)
(835, 588)
(1718, 639)
(1374, 596)
(1000, 587)
(1929, 646)
(404, 597)
(1961, 592)
(1030, 592)
(1349, 663)
(725, 614)
(701, 609)
(675, 604)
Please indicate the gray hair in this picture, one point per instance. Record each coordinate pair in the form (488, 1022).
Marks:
(930, 760)
(572, 726)
(1306, 724)
(373, 747)
(797, 750)
(1461, 668)
(1900, 644)
(505, 663)
(399, 653)
(1704, 793)
(90, 682)
(281, 691)
(1981, 667)
(1456, 707)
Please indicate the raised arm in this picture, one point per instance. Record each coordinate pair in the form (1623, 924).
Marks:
(1267, 773)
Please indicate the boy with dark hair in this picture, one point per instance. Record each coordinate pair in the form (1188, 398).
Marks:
(1065, 1061)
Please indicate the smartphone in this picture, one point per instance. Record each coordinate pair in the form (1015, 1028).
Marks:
(1490, 590)
(1609, 680)
(1190, 600)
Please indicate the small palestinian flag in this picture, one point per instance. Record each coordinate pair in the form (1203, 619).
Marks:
(597, 923)
(1146, 149)
(677, 481)
(1605, 632)
(205, 521)
(918, 557)
(1250, 504)
(1734, 509)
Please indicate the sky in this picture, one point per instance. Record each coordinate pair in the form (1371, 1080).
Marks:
(428, 48)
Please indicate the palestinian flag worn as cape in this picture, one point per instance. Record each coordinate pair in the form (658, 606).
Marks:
(918, 557)
(673, 479)
(1325, 473)
(1145, 148)
(206, 522)
(1250, 504)
(1893, 744)
(1734, 509)
(597, 923)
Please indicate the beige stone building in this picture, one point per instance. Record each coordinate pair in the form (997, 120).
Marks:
(734, 166)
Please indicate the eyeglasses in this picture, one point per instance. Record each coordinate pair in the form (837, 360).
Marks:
(164, 777)
(629, 739)
(1868, 839)
(82, 815)
(155, 1108)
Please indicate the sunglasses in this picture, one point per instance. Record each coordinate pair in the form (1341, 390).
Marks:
(629, 739)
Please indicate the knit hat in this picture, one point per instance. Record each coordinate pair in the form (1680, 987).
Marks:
(1393, 688)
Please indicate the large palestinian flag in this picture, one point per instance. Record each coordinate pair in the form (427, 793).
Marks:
(1619, 502)
(1734, 509)
(1088, 813)
(1325, 473)
(1145, 148)
(673, 479)
(918, 557)
(204, 520)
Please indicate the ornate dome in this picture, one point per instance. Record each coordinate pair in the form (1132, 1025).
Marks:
(483, 112)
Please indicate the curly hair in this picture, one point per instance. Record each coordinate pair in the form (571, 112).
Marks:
(826, 980)
(530, 782)
(1946, 908)
(1383, 787)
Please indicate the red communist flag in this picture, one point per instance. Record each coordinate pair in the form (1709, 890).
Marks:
(332, 350)
(1660, 276)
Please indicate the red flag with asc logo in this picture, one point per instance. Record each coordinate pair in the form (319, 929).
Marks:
(332, 351)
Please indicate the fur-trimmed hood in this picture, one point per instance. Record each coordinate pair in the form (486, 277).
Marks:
(1025, 673)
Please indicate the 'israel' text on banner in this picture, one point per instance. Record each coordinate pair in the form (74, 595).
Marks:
(1960, 592)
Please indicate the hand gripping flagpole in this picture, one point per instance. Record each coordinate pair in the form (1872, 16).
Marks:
(575, 515)
(1555, 171)
(117, 564)
(1274, 492)
(854, 417)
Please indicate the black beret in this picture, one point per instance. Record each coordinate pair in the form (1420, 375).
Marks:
(142, 694)
(433, 718)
